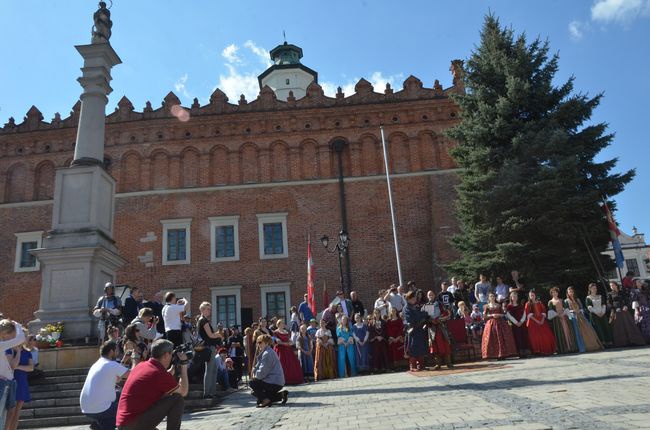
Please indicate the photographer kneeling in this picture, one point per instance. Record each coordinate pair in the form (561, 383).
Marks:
(268, 376)
(151, 392)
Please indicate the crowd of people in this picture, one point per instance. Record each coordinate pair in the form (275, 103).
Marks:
(403, 329)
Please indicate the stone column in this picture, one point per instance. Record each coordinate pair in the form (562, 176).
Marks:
(79, 254)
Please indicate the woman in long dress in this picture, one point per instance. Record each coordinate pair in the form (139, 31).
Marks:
(347, 363)
(305, 352)
(581, 325)
(395, 333)
(597, 312)
(642, 310)
(288, 360)
(325, 363)
(361, 336)
(624, 331)
(416, 338)
(516, 314)
(540, 336)
(562, 327)
(497, 341)
(377, 341)
(439, 339)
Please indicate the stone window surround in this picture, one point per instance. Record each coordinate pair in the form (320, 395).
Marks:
(280, 217)
(219, 221)
(228, 290)
(276, 287)
(170, 224)
(29, 236)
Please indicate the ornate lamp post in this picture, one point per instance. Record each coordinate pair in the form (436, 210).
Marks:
(341, 248)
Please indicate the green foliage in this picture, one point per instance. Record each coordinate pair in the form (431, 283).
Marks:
(530, 188)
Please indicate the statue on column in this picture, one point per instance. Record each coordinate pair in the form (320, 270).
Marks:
(103, 24)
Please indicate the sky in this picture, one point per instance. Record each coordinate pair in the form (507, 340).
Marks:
(192, 47)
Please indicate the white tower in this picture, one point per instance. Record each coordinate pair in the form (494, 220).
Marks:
(287, 73)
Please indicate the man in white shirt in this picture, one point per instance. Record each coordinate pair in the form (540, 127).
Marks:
(395, 299)
(11, 335)
(381, 305)
(98, 399)
(171, 314)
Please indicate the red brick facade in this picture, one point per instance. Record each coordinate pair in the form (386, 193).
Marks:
(264, 156)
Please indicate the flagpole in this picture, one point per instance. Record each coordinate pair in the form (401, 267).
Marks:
(392, 208)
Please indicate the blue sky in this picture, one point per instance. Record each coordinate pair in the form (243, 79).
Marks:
(192, 46)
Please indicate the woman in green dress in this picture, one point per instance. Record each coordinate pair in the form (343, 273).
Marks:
(598, 315)
(561, 325)
(587, 332)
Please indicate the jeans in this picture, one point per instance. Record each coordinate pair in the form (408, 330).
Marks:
(210, 374)
(263, 390)
(106, 419)
(168, 406)
(223, 378)
(7, 399)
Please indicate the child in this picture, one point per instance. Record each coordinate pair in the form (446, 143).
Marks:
(295, 320)
(465, 314)
(37, 373)
(477, 322)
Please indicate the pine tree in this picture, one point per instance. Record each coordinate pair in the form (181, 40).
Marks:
(530, 190)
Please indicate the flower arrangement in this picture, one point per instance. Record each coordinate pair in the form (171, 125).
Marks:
(54, 328)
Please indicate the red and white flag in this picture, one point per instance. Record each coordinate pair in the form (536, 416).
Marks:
(311, 294)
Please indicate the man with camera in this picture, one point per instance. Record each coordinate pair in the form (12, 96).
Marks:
(108, 310)
(394, 299)
(171, 314)
(267, 376)
(151, 393)
(97, 399)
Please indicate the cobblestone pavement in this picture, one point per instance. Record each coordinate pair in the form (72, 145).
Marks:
(607, 390)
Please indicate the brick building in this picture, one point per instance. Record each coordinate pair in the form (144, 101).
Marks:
(216, 202)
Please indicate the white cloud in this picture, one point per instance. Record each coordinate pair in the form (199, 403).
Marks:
(620, 11)
(230, 53)
(377, 79)
(180, 86)
(576, 29)
(236, 83)
(260, 52)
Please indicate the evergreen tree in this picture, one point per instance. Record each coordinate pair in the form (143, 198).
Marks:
(530, 190)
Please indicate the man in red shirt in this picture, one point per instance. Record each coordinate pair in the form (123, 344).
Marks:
(628, 281)
(151, 393)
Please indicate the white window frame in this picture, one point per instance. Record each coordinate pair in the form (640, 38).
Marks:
(221, 221)
(269, 219)
(277, 287)
(29, 236)
(230, 290)
(182, 293)
(172, 224)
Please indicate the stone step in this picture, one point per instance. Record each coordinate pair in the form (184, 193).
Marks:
(57, 387)
(62, 394)
(35, 423)
(67, 372)
(58, 380)
(74, 409)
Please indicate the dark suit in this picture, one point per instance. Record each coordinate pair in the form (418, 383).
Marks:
(157, 311)
(130, 310)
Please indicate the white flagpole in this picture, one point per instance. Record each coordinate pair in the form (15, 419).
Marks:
(392, 208)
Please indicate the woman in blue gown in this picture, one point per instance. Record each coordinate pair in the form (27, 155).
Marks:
(416, 333)
(346, 354)
(361, 336)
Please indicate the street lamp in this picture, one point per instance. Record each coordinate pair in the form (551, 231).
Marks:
(341, 248)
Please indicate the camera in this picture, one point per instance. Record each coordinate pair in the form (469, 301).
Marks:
(186, 348)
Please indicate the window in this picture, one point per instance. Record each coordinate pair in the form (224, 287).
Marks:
(275, 300)
(273, 235)
(633, 266)
(176, 241)
(224, 241)
(226, 310)
(226, 305)
(287, 81)
(26, 262)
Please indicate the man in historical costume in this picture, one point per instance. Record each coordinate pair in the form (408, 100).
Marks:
(108, 309)
(439, 340)
(416, 332)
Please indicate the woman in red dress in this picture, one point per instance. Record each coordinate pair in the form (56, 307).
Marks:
(395, 334)
(515, 312)
(540, 336)
(498, 341)
(439, 340)
(288, 359)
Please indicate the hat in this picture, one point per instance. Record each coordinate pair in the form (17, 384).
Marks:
(313, 320)
(222, 350)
